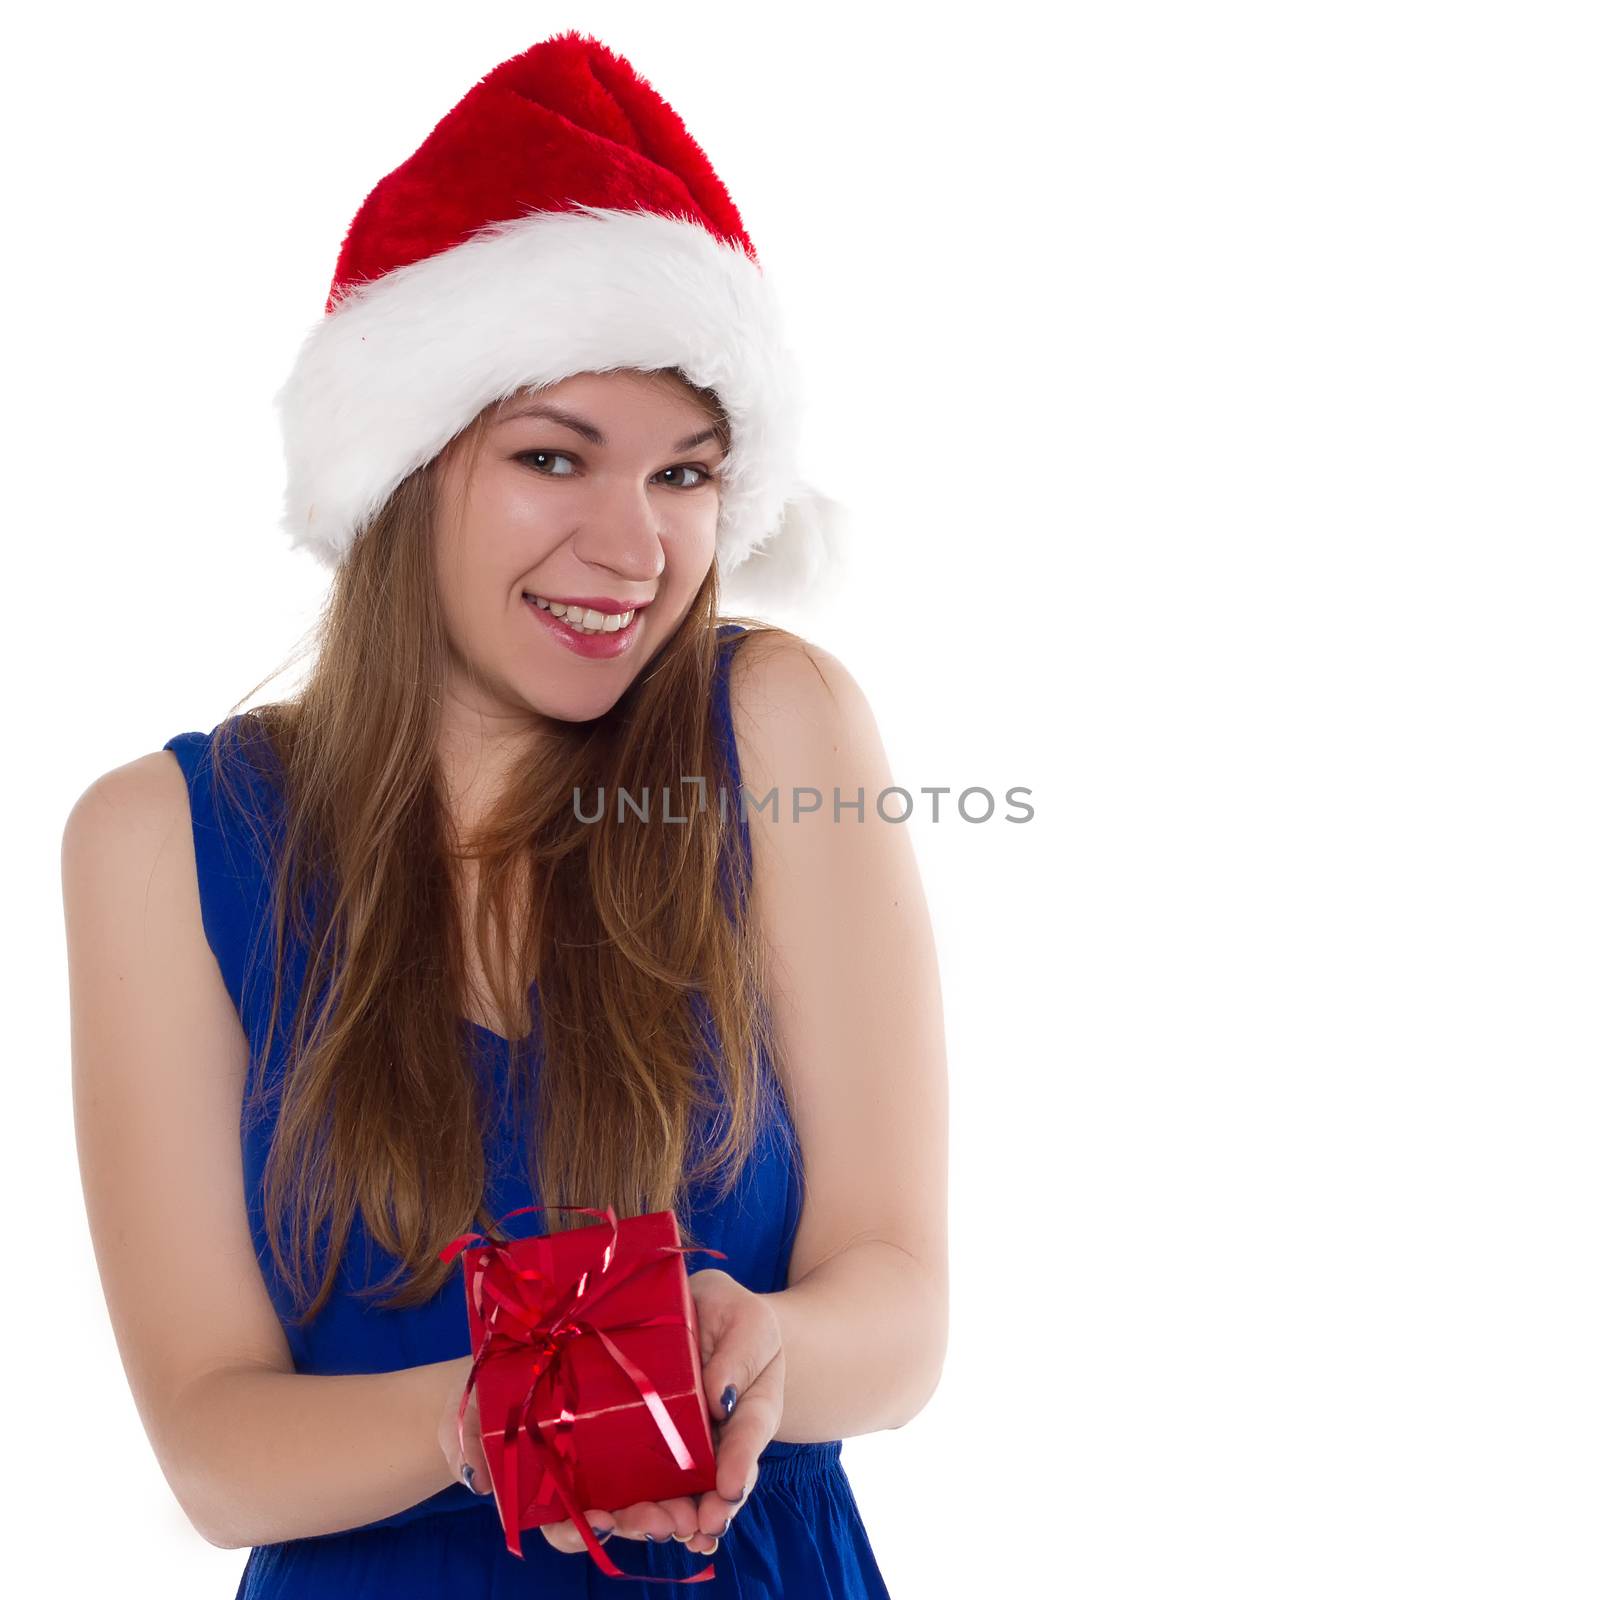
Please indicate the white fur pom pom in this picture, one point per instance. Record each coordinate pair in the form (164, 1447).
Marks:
(801, 562)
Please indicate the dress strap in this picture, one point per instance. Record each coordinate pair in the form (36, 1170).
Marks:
(232, 848)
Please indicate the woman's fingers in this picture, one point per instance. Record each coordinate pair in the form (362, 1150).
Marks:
(660, 1519)
(649, 1520)
(740, 1441)
(461, 1438)
(716, 1515)
(565, 1537)
(742, 1368)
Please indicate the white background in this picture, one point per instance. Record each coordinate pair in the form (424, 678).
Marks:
(1214, 389)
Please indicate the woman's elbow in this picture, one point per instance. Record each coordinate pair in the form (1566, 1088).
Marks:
(934, 1327)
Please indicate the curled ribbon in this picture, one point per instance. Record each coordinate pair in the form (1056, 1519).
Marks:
(527, 1310)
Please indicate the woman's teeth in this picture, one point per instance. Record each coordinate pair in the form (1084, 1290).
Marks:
(580, 620)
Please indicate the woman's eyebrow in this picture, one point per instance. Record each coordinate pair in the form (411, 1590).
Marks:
(569, 419)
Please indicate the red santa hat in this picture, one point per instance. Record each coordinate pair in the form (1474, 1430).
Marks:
(560, 219)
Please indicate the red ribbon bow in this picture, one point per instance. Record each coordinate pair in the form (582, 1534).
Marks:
(530, 1311)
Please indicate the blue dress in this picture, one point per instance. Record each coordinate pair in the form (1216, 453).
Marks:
(800, 1533)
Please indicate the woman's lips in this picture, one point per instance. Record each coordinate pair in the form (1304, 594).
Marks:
(592, 646)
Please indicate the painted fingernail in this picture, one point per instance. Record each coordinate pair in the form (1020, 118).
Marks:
(602, 1534)
(466, 1476)
(729, 1395)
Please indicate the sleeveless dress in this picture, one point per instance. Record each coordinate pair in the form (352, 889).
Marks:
(799, 1534)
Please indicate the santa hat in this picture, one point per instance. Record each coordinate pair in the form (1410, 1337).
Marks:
(560, 219)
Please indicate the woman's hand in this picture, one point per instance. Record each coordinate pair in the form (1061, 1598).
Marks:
(476, 1475)
(741, 1365)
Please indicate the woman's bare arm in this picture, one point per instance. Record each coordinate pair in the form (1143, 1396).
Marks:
(859, 1018)
(253, 1451)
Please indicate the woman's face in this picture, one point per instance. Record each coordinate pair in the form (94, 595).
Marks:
(610, 510)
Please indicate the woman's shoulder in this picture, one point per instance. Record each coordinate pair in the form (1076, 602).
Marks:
(146, 796)
(778, 673)
(795, 707)
(140, 798)
(153, 791)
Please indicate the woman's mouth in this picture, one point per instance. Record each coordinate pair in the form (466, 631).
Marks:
(596, 635)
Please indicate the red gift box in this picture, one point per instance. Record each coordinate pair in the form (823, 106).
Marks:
(587, 1364)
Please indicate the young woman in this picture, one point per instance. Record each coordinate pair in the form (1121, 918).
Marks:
(548, 887)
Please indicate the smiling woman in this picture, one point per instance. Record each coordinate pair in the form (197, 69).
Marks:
(402, 985)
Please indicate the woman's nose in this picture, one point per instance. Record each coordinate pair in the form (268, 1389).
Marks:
(625, 540)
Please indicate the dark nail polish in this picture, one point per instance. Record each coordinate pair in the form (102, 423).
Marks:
(729, 1395)
(467, 1476)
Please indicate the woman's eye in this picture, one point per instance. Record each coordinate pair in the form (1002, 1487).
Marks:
(702, 475)
(531, 456)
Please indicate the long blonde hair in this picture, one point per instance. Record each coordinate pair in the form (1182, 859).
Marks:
(637, 945)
